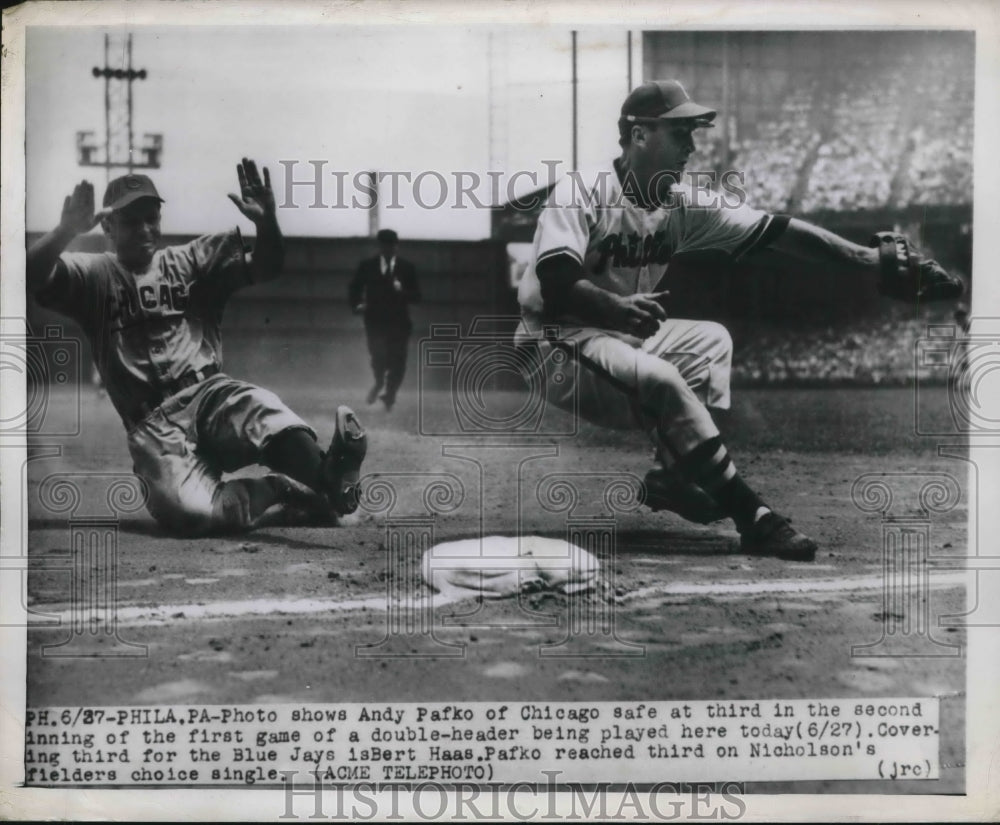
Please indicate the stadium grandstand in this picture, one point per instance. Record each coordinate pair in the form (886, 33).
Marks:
(832, 121)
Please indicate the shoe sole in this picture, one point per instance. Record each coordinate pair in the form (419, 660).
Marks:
(351, 444)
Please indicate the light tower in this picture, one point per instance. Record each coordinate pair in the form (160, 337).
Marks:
(119, 149)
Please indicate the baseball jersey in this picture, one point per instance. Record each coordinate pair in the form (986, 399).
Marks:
(625, 248)
(149, 328)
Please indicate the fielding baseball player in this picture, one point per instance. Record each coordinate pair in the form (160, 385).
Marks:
(152, 317)
(595, 289)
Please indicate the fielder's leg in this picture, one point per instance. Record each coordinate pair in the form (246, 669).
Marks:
(702, 352)
(616, 377)
(694, 442)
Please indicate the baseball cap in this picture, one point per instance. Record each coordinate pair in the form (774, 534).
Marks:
(664, 99)
(128, 188)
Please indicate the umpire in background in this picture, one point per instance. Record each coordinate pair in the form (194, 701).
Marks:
(383, 289)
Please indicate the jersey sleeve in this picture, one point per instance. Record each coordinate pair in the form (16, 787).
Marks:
(73, 284)
(217, 259)
(734, 230)
(565, 223)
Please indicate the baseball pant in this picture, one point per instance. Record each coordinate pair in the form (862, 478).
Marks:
(183, 447)
(662, 385)
(388, 349)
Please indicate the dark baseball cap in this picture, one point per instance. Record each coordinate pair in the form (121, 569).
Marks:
(666, 100)
(128, 188)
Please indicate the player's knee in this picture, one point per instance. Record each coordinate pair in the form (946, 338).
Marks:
(182, 516)
(659, 380)
(719, 341)
(227, 508)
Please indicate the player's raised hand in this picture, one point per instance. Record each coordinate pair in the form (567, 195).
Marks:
(78, 210)
(256, 198)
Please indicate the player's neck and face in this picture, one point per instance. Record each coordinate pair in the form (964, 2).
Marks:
(656, 157)
(135, 232)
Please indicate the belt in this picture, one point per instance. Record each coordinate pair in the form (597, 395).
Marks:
(171, 388)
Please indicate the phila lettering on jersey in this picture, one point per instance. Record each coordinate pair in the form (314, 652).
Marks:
(147, 329)
(624, 248)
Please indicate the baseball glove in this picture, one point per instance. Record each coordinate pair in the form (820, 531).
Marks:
(905, 274)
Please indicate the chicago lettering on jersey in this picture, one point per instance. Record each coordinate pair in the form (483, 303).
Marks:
(126, 305)
(632, 249)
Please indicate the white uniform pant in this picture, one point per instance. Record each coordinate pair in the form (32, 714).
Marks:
(662, 385)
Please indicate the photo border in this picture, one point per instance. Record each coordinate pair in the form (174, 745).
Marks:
(983, 752)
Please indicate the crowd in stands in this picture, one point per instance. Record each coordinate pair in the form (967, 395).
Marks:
(857, 161)
(872, 352)
(888, 130)
(940, 169)
(771, 175)
(708, 157)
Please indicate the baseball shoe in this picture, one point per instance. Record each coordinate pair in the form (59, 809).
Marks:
(388, 402)
(342, 462)
(297, 505)
(772, 535)
(373, 394)
(667, 491)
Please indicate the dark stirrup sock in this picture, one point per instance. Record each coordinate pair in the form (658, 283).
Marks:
(709, 466)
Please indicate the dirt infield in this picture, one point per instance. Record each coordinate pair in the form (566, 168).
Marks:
(294, 614)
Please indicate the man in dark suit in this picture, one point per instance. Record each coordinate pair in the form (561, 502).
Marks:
(382, 290)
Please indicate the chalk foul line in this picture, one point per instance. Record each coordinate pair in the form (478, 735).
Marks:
(251, 608)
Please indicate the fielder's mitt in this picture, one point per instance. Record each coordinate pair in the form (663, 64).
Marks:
(905, 274)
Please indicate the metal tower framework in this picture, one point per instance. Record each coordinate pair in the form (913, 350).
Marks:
(119, 149)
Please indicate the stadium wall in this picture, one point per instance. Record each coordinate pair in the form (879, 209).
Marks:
(308, 304)
(299, 328)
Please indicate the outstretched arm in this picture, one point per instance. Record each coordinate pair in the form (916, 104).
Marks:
(902, 271)
(77, 217)
(802, 241)
(256, 202)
